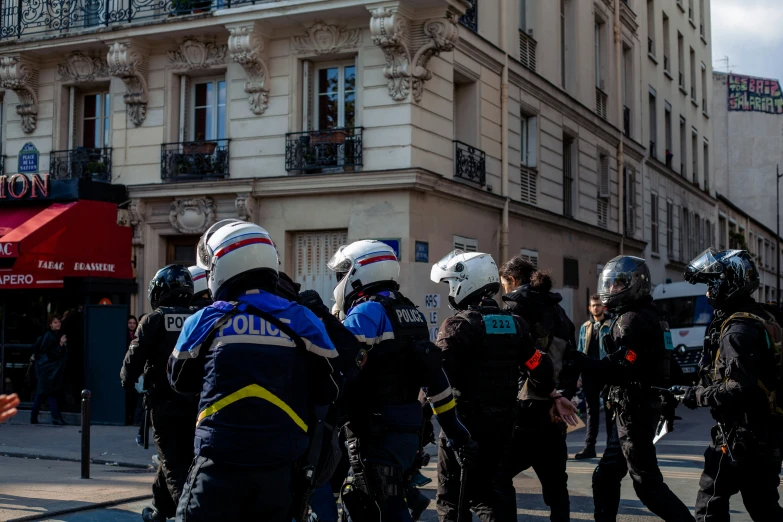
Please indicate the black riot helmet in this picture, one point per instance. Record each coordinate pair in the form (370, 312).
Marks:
(730, 275)
(623, 281)
(172, 285)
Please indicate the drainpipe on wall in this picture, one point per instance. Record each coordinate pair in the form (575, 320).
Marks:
(504, 135)
(618, 47)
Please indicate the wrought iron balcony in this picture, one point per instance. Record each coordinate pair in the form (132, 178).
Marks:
(81, 163)
(59, 17)
(470, 18)
(315, 151)
(627, 121)
(470, 163)
(194, 160)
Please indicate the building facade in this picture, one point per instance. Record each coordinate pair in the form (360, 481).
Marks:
(507, 126)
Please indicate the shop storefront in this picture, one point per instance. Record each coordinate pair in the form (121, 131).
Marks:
(63, 252)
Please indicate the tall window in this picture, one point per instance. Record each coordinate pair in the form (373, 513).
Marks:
(670, 229)
(699, 237)
(680, 61)
(96, 124)
(528, 177)
(721, 233)
(568, 176)
(702, 16)
(706, 164)
(563, 53)
(335, 94)
(683, 147)
(666, 45)
(693, 74)
(466, 110)
(703, 88)
(630, 201)
(627, 87)
(654, 223)
(685, 234)
(690, 10)
(667, 122)
(208, 113)
(599, 53)
(653, 123)
(603, 191)
(695, 155)
(523, 15)
(651, 27)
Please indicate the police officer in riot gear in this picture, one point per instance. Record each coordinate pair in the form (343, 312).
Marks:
(484, 350)
(740, 385)
(381, 404)
(173, 416)
(637, 359)
(201, 297)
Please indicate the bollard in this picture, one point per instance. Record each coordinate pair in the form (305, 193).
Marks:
(86, 433)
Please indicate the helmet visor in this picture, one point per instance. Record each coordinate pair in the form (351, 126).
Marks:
(444, 262)
(203, 254)
(703, 266)
(613, 282)
(340, 263)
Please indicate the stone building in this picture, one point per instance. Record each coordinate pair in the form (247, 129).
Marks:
(507, 126)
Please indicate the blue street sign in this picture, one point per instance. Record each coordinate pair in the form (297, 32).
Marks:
(394, 243)
(28, 159)
(422, 252)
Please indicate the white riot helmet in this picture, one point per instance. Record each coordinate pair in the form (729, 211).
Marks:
(469, 275)
(199, 276)
(202, 253)
(236, 251)
(361, 266)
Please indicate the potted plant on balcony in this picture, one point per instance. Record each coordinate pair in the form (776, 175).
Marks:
(201, 6)
(199, 146)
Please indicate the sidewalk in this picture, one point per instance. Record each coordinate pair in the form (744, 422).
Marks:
(107, 443)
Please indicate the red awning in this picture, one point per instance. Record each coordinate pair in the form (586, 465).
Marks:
(39, 247)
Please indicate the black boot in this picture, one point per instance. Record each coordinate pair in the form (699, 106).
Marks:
(59, 421)
(587, 453)
(150, 514)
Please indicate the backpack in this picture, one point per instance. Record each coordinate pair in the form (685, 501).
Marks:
(774, 335)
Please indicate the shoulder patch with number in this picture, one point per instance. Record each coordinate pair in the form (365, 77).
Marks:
(500, 324)
(667, 340)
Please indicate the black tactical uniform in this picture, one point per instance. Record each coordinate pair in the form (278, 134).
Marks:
(538, 442)
(173, 415)
(484, 351)
(637, 360)
(739, 368)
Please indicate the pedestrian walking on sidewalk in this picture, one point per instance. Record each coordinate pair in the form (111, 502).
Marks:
(50, 358)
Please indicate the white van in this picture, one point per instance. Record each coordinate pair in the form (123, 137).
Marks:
(685, 307)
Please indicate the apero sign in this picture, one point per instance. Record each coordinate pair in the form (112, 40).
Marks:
(21, 186)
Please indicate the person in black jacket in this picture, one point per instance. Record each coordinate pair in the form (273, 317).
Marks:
(485, 350)
(173, 415)
(50, 358)
(739, 375)
(539, 433)
(637, 360)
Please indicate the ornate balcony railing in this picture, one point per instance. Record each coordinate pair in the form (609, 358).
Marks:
(470, 163)
(470, 18)
(19, 18)
(81, 163)
(194, 160)
(315, 151)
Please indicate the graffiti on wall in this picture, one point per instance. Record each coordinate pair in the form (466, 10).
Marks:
(750, 94)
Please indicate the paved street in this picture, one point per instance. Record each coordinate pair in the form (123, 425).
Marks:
(35, 487)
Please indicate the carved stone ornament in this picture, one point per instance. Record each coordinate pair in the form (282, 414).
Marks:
(193, 54)
(246, 46)
(22, 78)
(326, 39)
(405, 69)
(246, 206)
(130, 65)
(192, 216)
(136, 209)
(82, 68)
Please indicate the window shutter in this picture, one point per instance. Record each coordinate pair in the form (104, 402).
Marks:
(528, 180)
(531, 256)
(307, 95)
(532, 136)
(603, 183)
(465, 244)
(603, 212)
(312, 251)
(184, 108)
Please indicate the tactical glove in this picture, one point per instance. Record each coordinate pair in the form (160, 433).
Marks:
(690, 400)
(311, 300)
(467, 454)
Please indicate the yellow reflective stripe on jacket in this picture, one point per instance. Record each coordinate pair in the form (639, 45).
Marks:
(446, 407)
(254, 390)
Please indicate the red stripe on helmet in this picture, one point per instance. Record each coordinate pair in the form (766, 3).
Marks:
(200, 276)
(239, 244)
(384, 257)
